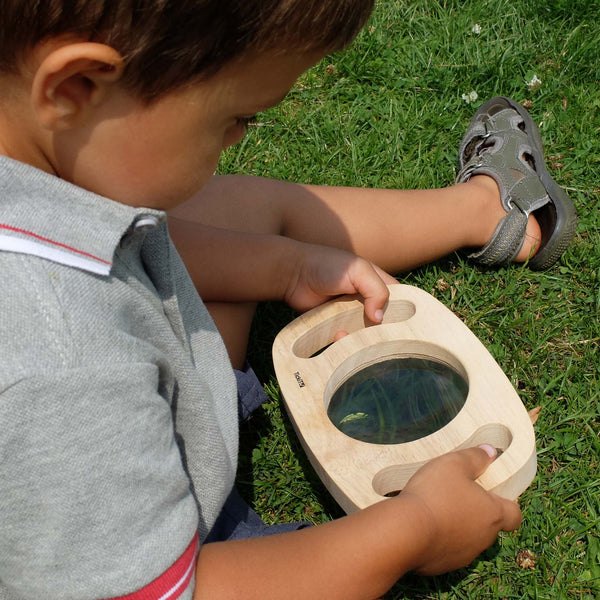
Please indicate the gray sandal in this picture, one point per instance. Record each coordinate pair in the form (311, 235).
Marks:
(502, 141)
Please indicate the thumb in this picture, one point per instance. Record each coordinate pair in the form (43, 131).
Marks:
(476, 460)
(372, 284)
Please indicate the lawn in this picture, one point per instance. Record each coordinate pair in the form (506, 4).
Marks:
(390, 112)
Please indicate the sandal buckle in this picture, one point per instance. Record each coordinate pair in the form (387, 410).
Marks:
(516, 203)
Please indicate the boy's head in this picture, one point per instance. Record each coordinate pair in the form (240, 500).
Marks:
(167, 43)
(136, 99)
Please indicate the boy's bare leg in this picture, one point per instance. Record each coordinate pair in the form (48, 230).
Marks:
(396, 229)
(233, 320)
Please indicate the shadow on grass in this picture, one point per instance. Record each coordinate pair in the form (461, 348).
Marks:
(252, 432)
(270, 319)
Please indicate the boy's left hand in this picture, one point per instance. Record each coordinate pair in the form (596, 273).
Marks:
(323, 272)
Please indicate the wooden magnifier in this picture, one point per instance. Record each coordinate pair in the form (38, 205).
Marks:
(374, 406)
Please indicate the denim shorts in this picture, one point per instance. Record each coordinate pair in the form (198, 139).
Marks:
(237, 520)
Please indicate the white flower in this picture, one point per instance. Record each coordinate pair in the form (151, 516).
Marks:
(470, 97)
(534, 83)
(476, 29)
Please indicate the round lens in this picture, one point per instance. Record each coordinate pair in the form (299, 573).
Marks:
(398, 400)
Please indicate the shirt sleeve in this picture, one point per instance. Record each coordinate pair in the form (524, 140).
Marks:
(94, 499)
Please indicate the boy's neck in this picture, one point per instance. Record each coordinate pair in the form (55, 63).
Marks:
(17, 139)
(27, 155)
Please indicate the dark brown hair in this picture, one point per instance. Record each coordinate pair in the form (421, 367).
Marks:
(166, 43)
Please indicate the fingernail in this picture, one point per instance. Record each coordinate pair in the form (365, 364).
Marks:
(378, 316)
(490, 450)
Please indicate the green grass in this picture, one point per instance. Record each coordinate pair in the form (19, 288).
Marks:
(389, 112)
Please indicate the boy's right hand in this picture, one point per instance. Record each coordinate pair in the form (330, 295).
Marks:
(321, 273)
(458, 517)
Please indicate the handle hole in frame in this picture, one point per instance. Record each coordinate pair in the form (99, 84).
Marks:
(318, 338)
(390, 481)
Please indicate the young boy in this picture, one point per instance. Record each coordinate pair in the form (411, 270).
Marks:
(117, 397)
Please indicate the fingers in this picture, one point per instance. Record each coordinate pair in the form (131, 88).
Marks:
(477, 461)
(512, 515)
(371, 283)
(386, 277)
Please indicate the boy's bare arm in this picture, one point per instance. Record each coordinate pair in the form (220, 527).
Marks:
(231, 266)
(396, 229)
(441, 521)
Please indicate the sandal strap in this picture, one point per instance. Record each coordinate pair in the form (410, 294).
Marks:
(496, 147)
(506, 241)
(527, 193)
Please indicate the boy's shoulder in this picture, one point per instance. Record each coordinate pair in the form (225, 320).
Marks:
(43, 215)
(57, 247)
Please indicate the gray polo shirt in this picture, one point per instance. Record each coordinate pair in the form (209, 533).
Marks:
(118, 415)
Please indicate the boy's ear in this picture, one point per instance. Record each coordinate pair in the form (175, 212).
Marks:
(71, 81)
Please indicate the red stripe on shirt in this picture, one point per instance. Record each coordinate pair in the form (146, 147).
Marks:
(172, 583)
(53, 242)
